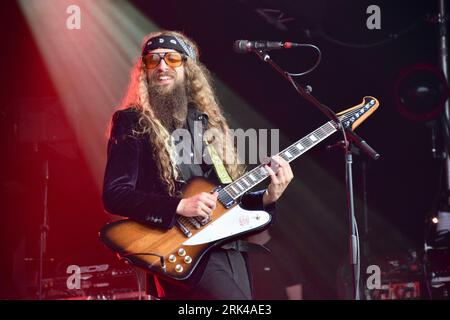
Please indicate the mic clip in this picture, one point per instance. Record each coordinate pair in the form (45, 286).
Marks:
(339, 144)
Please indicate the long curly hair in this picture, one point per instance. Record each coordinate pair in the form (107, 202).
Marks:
(201, 95)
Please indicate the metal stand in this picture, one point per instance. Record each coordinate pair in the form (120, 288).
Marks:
(44, 228)
(443, 62)
(38, 126)
(365, 235)
(445, 154)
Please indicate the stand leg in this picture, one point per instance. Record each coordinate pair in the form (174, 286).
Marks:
(43, 232)
(353, 232)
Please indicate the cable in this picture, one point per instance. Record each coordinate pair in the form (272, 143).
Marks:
(319, 58)
(392, 37)
(425, 274)
(161, 258)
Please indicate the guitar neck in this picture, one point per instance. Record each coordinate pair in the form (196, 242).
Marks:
(249, 180)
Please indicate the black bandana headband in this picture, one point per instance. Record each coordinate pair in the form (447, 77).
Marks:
(169, 42)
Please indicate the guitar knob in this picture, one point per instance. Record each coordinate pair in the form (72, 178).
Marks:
(178, 268)
(181, 252)
(187, 259)
(172, 258)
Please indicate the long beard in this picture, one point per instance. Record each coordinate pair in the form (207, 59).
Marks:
(170, 106)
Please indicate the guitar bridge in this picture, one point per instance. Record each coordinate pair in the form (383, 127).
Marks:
(202, 221)
(197, 224)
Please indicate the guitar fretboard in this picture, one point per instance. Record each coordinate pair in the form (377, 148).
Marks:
(238, 187)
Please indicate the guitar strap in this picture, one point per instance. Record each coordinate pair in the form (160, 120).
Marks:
(197, 122)
(219, 167)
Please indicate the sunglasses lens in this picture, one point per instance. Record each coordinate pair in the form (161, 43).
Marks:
(152, 60)
(173, 59)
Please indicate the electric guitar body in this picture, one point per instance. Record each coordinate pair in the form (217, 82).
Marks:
(128, 236)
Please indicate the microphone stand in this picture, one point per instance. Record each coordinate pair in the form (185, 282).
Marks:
(349, 136)
(44, 228)
(365, 238)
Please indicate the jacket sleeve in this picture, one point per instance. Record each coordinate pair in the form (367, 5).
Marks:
(254, 201)
(120, 196)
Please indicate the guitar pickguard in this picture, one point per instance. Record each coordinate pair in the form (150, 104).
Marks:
(236, 221)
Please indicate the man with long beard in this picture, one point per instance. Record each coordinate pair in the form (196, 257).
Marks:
(169, 90)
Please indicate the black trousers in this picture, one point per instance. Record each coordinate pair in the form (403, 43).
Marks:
(225, 277)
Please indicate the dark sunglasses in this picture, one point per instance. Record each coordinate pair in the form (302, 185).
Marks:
(172, 59)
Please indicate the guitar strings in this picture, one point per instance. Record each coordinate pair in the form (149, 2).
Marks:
(320, 132)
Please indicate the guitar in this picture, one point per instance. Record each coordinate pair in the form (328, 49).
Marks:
(175, 254)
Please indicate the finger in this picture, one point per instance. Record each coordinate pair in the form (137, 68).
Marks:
(210, 203)
(290, 173)
(204, 211)
(286, 167)
(212, 196)
(209, 200)
(272, 175)
(215, 194)
(281, 175)
(273, 164)
(277, 158)
(280, 161)
(197, 211)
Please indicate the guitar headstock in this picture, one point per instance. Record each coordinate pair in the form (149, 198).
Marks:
(353, 117)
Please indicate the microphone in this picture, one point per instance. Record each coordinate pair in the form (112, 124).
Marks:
(244, 46)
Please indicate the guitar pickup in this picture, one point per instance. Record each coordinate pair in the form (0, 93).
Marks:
(225, 198)
(183, 228)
